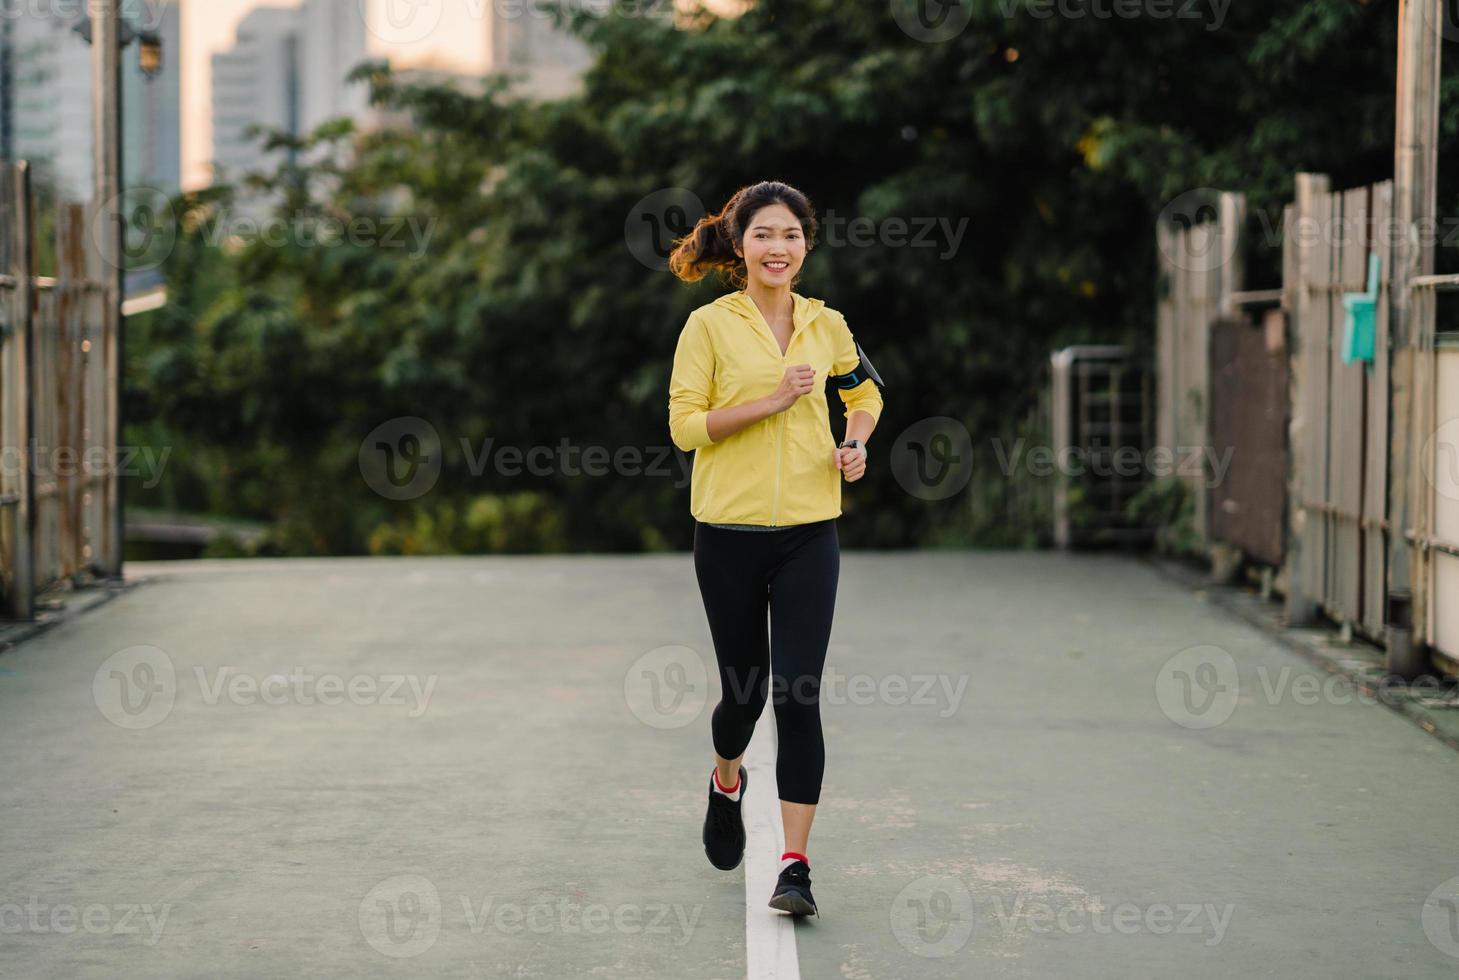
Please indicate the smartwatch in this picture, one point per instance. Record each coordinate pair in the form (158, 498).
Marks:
(855, 444)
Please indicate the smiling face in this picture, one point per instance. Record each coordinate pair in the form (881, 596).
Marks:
(774, 246)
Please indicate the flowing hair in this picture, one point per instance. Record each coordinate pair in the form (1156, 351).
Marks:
(709, 247)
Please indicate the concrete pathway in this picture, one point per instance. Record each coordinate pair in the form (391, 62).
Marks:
(1038, 765)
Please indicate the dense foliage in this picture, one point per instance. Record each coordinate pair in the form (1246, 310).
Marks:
(517, 312)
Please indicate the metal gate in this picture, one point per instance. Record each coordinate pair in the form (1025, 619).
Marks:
(1102, 410)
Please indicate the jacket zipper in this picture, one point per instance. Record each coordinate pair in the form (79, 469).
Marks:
(779, 442)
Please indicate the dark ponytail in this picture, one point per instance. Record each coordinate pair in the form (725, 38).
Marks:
(710, 246)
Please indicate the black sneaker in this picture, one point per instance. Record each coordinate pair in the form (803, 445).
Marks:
(724, 829)
(793, 891)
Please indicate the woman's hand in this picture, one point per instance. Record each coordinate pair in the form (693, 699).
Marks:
(851, 461)
(798, 380)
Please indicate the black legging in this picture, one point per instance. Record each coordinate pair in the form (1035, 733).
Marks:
(793, 572)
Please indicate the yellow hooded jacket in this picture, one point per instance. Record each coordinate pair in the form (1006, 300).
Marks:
(781, 470)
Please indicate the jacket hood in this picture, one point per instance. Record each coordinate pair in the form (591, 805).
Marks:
(806, 308)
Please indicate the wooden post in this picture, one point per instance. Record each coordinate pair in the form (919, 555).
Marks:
(1299, 607)
(1232, 208)
(106, 106)
(1415, 170)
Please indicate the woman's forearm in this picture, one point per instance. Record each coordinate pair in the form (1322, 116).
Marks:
(725, 422)
(860, 426)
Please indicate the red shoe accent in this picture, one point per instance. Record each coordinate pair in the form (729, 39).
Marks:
(798, 857)
(722, 786)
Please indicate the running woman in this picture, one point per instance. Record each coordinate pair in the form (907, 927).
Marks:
(746, 397)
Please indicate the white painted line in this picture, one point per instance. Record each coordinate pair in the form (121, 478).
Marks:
(769, 935)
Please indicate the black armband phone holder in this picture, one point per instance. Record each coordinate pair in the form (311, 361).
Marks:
(858, 374)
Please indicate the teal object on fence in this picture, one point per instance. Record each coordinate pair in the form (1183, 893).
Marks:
(1360, 322)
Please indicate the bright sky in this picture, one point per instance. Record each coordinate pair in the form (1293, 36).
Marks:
(451, 34)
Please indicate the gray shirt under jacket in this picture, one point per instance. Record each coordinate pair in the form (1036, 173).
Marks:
(752, 527)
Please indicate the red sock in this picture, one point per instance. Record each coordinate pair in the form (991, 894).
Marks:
(790, 857)
(726, 790)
